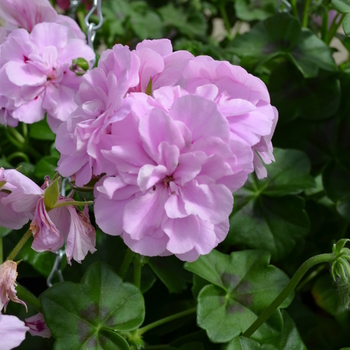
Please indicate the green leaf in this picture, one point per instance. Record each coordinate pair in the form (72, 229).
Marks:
(171, 272)
(242, 286)
(263, 217)
(4, 231)
(91, 314)
(187, 24)
(282, 35)
(297, 97)
(274, 224)
(41, 131)
(287, 340)
(46, 166)
(343, 208)
(326, 295)
(342, 6)
(336, 181)
(346, 24)
(289, 174)
(252, 10)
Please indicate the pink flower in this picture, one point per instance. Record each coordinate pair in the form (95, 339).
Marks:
(100, 96)
(159, 62)
(18, 198)
(242, 98)
(35, 74)
(27, 14)
(37, 326)
(12, 331)
(176, 170)
(63, 224)
(8, 275)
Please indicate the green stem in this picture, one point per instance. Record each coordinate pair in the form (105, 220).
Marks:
(334, 27)
(65, 204)
(126, 263)
(226, 21)
(18, 155)
(28, 298)
(165, 320)
(20, 245)
(308, 264)
(295, 8)
(137, 273)
(306, 13)
(324, 27)
(18, 136)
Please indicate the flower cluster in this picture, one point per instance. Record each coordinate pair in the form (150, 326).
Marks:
(173, 136)
(22, 200)
(35, 62)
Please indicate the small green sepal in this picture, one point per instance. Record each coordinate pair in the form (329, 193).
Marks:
(52, 194)
(149, 88)
(2, 183)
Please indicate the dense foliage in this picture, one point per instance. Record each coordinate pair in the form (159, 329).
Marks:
(300, 210)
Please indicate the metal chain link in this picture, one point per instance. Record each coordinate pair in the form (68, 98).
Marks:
(91, 26)
(56, 268)
(73, 8)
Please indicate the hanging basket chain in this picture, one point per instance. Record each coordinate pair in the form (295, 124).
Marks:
(91, 26)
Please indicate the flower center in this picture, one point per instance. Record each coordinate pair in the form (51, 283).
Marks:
(167, 180)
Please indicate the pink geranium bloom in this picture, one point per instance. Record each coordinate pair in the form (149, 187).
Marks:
(176, 171)
(35, 73)
(8, 275)
(100, 101)
(242, 98)
(159, 62)
(37, 326)
(18, 198)
(12, 331)
(27, 14)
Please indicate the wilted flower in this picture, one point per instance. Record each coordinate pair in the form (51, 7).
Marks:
(63, 224)
(8, 275)
(37, 326)
(35, 74)
(12, 331)
(18, 198)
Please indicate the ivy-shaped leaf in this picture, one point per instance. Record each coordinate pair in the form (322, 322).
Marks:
(287, 340)
(297, 97)
(242, 286)
(265, 215)
(282, 35)
(93, 312)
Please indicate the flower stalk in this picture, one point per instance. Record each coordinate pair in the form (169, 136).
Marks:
(20, 245)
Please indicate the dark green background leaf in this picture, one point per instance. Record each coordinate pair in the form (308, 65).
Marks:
(90, 313)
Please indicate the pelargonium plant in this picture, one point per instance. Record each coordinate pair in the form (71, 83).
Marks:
(141, 183)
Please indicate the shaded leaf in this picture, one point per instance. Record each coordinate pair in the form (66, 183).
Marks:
(297, 97)
(91, 314)
(46, 166)
(251, 10)
(288, 339)
(242, 286)
(171, 272)
(41, 131)
(282, 35)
